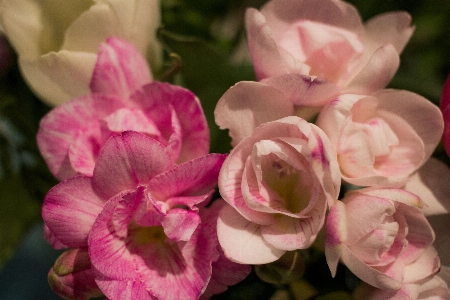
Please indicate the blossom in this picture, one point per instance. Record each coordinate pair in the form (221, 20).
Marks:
(139, 217)
(279, 181)
(383, 138)
(382, 236)
(57, 42)
(123, 98)
(326, 39)
(71, 277)
(445, 107)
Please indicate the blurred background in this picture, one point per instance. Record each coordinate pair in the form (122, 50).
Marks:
(209, 38)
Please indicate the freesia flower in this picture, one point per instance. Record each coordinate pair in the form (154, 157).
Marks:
(326, 39)
(383, 138)
(71, 277)
(139, 217)
(445, 107)
(382, 236)
(57, 41)
(279, 181)
(123, 98)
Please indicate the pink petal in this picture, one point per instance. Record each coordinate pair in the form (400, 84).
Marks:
(179, 224)
(241, 240)
(52, 240)
(128, 160)
(416, 111)
(368, 274)
(120, 69)
(365, 213)
(426, 265)
(107, 242)
(445, 107)
(389, 28)
(289, 233)
(303, 90)
(192, 178)
(125, 119)
(377, 73)
(247, 105)
(336, 234)
(122, 289)
(70, 209)
(163, 103)
(60, 128)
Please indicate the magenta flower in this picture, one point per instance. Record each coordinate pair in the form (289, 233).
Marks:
(139, 216)
(123, 98)
(326, 39)
(382, 236)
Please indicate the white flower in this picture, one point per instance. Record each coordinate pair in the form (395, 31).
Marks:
(57, 41)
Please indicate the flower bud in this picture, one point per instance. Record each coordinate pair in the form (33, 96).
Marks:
(71, 276)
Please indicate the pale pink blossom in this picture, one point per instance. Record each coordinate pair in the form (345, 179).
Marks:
(279, 181)
(326, 39)
(139, 217)
(445, 107)
(123, 98)
(382, 236)
(383, 138)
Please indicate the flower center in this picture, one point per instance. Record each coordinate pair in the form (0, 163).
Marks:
(147, 235)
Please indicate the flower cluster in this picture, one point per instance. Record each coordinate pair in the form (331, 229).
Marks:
(320, 146)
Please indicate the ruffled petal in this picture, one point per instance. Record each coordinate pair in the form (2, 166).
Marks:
(70, 209)
(128, 160)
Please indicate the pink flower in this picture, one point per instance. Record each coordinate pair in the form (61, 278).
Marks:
(123, 98)
(445, 107)
(279, 181)
(382, 236)
(139, 216)
(383, 138)
(326, 39)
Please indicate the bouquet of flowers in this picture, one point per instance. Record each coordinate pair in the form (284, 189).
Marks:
(326, 165)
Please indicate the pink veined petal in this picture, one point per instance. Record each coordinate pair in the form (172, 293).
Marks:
(241, 240)
(336, 234)
(224, 272)
(179, 224)
(377, 73)
(157, 98)
(289, 233)
(247, 105)
(389, 28)
(128, 160)
(120, 69)
(125, 119)
(108, 248)
(60, 128)
(398, 195)
(70, 209)
(192, 178)
(122, 289)
(52, 240)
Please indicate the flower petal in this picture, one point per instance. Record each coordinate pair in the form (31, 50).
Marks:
(128, 160)
(70, 209)
(247, 105)
(120, 69)
(241, 240)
